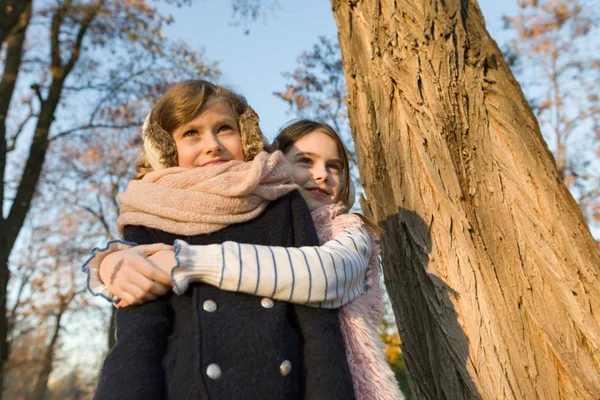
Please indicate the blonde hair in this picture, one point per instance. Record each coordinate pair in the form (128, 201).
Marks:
(183, 103)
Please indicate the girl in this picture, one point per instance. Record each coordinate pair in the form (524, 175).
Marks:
(320, 168)
(210, 343)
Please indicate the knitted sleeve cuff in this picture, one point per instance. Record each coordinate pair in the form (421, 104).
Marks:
(196, 264)
(92, 268)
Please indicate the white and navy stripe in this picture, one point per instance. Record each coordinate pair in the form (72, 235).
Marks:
(327, 276)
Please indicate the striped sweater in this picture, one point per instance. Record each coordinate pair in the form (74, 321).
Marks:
(328, 276)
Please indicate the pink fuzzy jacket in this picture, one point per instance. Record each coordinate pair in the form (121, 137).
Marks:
(372, 376)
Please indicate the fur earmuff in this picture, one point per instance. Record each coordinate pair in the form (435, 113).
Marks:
(161, 150)
(253, 140)
(159, 146)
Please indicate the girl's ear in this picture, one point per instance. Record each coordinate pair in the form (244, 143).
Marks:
(253, 141)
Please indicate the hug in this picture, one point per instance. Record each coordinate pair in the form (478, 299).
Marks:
(241, 273)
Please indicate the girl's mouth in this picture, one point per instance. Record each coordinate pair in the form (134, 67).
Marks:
(318, 193)
(215, 162)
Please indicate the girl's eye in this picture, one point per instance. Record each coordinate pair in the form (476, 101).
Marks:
(191, 132)
(305, 160)
(225, 128)
(336, 167)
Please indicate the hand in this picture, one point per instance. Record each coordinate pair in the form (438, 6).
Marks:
(129, 275)
(165, 260)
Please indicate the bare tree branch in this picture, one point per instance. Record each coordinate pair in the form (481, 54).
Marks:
(91, 126)
(20, 127)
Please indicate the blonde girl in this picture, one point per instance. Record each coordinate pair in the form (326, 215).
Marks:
(204, 180)
(336, 274)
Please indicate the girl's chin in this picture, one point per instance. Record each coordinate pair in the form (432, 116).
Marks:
(314, 204)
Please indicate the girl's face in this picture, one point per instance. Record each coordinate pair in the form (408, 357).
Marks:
(317, 168)
(211, 138)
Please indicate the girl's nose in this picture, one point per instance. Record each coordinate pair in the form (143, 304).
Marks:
(212, 144)
(320, 172)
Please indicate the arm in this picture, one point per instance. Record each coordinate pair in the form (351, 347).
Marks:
(128, 274)
(133, 368)
(327, 276)
(91, 268)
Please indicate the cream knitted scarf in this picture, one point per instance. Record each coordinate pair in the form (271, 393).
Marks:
(194, 201)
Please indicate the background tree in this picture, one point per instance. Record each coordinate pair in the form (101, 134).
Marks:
(71, 67)
(246, 12)
(50, 297)
(10, 13)
(556, 59)
(87, 174)
(489, 263)
(82, 175)
(316, 89)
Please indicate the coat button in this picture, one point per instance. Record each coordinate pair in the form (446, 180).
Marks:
(209, 306)
(285, 367)
(213, 371)
(267, 303)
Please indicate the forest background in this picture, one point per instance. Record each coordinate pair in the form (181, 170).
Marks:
(79, 76)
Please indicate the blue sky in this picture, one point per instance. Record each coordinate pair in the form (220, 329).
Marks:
(252, 64)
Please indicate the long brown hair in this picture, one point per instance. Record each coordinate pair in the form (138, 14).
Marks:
(296, 130)
(183, 103)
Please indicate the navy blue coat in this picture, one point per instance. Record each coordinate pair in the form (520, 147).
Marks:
(172, 348)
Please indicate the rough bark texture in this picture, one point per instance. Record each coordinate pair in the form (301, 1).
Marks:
(491, 268)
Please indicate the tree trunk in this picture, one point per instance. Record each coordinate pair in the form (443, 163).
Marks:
(11, 226)
(12, 63)
(10, 13)
(41, 384)
(3, 316)
(491, 269)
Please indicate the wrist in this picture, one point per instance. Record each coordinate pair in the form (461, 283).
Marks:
(95, 284)
(196, 264)
(104, 269)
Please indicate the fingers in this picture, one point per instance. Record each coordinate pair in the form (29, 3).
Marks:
(156, 273)
(134, 295)
(134, 287)
(134, 278)
(154, 288)
(147, 250)
(142, 279)
(142, 294)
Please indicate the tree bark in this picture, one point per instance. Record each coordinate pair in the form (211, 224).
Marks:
(14, 53)
(10, 13)
(491, 269)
